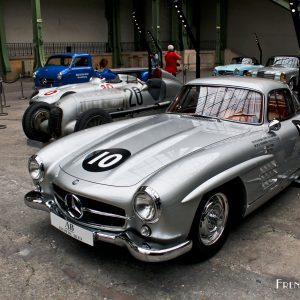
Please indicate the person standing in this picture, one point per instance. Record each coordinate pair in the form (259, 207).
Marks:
(171, 58)
(104, 71)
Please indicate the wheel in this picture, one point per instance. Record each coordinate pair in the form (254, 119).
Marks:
(33, 116)
(211, 225)
(91, 118)
(292, 83)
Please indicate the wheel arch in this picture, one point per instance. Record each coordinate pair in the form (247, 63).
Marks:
(235, 190)
(67, 93)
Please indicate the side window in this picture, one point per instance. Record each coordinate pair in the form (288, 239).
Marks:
(81, 62)
(280, 105)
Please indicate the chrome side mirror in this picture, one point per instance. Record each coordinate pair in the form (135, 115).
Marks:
(274, 125)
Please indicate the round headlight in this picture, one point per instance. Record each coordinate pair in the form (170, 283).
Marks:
(147, 204)
(236, 72)
(282, 77)
(36, 168)
(33, 74)
(59, 76)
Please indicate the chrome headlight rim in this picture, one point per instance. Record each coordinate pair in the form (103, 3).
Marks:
(59, 76)
(155, 199)
(39, 169)
(34, 74)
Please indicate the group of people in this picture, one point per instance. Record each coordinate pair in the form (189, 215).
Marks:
(171, 59)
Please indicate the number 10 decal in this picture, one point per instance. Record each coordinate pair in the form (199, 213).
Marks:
(104, 160)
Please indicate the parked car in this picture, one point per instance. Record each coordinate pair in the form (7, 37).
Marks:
(66, 68)
(282, 67)
(172, 183)
(239, 66)
(55, 112)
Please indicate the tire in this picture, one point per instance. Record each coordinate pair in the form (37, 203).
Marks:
(33, 116)
(211, 225)
(292, 83)
(91, 118)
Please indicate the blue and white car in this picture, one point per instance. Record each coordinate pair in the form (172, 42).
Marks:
(66, 68)
(239, 66)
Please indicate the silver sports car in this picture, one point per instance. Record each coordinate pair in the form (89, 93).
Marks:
(284, 68)
(173, 183)
(55, 112)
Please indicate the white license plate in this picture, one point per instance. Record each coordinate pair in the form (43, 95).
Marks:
(72, 230)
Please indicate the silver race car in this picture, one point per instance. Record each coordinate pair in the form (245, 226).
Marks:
(173, 183)
(55, 112)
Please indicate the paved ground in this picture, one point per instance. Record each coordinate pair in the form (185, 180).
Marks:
(39, 262)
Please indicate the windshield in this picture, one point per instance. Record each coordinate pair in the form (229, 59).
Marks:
(243, 60)
(64, 61)
(227, 103)
(285, 61)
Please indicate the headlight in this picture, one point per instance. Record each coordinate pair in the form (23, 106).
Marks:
(36, 168)
(282, 77)
(146, 204)
(59, 76)
(33, 74)
(236, 72)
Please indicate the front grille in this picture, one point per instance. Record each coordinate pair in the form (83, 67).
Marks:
(226, 72)
(94, 212)
(54, 122)
(265, 75)
(46, 81)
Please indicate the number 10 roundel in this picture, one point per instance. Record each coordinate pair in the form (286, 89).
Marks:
(104, 160)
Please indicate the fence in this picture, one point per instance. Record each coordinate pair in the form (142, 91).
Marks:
(27, 49)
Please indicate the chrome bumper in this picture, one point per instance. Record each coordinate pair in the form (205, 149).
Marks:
(143, 252)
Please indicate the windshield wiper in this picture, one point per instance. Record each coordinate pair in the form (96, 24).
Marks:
(205, 117)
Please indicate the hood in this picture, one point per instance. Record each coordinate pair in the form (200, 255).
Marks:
(231, 67)
(277, 69)
(128, 155)
(50, 71)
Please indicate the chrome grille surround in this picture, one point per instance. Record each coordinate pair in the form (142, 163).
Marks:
(263, 74)
(97, 215)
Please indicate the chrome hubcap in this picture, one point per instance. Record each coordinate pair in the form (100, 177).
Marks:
(40, 116)
(213, 219)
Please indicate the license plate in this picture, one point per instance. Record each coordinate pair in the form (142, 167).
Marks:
(72, 230)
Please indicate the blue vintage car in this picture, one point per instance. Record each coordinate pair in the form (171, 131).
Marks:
(239, 66)
(66, 68)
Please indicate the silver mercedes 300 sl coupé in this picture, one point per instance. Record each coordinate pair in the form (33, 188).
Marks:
(173, 183)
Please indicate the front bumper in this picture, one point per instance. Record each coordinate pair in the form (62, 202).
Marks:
(137, 248)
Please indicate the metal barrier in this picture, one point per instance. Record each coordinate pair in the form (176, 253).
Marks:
(22, 90)
(2, 102)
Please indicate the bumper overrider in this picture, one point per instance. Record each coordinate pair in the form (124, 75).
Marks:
(134, 243)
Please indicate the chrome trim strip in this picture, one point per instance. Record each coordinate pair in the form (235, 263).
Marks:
(96, 212)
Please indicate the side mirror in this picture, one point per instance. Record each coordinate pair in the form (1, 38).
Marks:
(274, 125)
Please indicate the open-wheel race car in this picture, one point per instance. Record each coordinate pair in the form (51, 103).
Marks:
(55, 112)
(173, 183)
